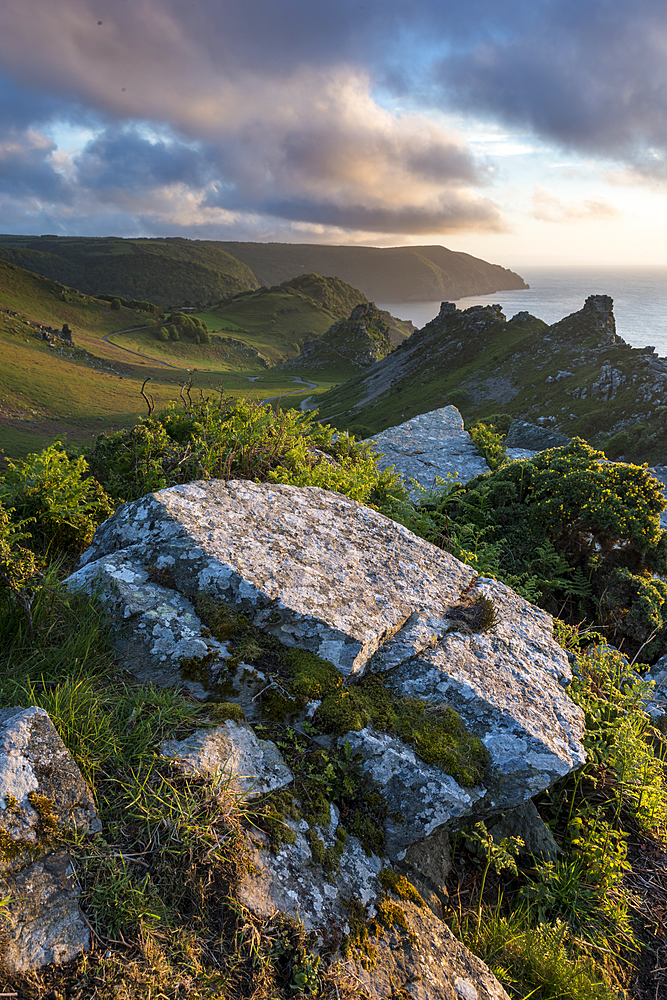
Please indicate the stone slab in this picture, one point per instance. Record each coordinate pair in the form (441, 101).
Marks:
(429, 446)
(508, 686)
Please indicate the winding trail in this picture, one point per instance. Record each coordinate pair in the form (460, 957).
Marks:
(295, 378)
(146, 357)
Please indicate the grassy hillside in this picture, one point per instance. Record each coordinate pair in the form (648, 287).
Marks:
(74, 391)
(390, 274)
(181, 272)
(159, 884)
(168, 272)
(277, 321)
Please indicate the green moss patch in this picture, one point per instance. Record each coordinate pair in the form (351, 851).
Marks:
(437, 733)
(399, 886)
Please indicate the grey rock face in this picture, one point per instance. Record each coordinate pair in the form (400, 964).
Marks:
(41, 788)
(257, 765)
(315, 569)
(43, 924)
(429, 445)
(419, 798)
(529, 436)
(525, 822)
(506, 684)
(427, 962)
(290, 881)
(42, 793)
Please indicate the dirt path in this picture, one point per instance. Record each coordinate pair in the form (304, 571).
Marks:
(145, 357)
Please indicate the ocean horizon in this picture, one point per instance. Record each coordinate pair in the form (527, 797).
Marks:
(639, 294)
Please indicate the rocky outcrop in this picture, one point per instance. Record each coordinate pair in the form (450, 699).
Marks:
(429, 447)
(577, 371)
(348, 345)
(42, 795)
(409, 947)
(532, 437)
(323, 573)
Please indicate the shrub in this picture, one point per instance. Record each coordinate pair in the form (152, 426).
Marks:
(237, 439)
(54, 491)
(569, 528)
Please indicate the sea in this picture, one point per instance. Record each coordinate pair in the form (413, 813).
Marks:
(639, 294)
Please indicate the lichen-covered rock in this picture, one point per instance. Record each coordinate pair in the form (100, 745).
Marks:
(42, 924)
(255, 767)
(316, 569)
(42, 791)
(156, 630)
(420, 798)
(424, 960)
(429, 445)
(289, 879)
(324, 573)
(506, 683)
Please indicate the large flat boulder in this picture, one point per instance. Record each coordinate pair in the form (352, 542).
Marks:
(316, 569)
(324, 573)
(429, 446)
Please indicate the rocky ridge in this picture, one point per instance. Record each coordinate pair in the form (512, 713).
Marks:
(578, 372)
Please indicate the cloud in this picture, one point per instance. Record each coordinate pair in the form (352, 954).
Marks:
(547, 207)
(244, 114)
(270, 113)
(591, 76)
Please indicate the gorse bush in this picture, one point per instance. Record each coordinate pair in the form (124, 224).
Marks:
(236, 439)
(55, 493)
(567, 528)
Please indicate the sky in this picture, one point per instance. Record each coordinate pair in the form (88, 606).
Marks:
(524, 132)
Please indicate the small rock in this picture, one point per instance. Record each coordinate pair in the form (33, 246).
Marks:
(256, 766)
(43, 925)
(42, 791)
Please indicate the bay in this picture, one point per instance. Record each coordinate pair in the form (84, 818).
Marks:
(639, 294)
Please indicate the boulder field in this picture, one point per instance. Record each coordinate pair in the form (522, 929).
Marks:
(374, 624)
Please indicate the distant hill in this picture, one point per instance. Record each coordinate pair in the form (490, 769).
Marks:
(578, 375)
(278, 321)
(389, 274)
(179, 271)
(166, 272)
